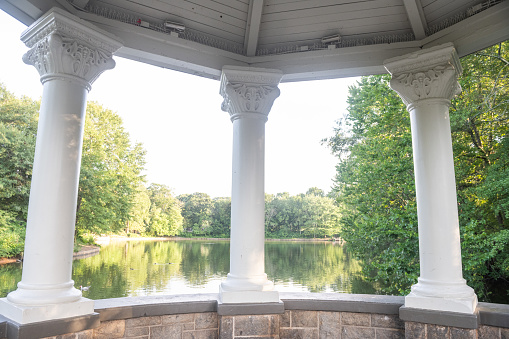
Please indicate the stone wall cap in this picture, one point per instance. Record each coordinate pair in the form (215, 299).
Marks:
(494, 314)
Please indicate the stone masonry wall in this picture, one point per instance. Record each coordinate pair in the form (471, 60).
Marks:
(293, 324)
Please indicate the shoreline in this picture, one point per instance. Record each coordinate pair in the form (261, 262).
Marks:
(104, 240)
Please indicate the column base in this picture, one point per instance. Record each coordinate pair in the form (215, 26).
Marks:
(253, 297)
(254, 289)
(30, 314)
(440, 296)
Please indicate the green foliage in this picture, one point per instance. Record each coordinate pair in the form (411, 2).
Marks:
(375, 185)
(221, 217)
(110, 173)
(310, 215)
(12, 235)
(18, 128)
(479, 122)
(139, 220)
(165, 212)
(197, 212)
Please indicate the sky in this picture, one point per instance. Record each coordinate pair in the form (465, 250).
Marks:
(188, 138)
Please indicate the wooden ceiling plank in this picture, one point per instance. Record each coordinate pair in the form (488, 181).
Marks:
(446, 11)
(339, 18)
(416, 18)
(253, 27)
(182, 9)
(313, 4)
(221, 8)
(238, 5)
(318, 11)
(339, 27)
(197, 22)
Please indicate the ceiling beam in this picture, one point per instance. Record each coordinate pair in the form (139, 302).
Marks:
(416, 17)
(254, 19)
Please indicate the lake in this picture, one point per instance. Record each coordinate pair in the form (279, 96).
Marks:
(138, 268)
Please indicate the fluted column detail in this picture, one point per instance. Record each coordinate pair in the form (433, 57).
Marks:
(69, 55)
(427, 81)
(248, 97)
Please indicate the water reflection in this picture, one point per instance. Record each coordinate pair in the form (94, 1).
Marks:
(138, 268)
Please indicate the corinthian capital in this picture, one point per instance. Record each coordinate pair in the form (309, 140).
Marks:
(249, 90)
(428, 74)
(64, 45)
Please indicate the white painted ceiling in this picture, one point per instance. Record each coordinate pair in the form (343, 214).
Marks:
(283, 34)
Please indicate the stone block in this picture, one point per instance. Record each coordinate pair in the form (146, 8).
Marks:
(201, 334)
(166, 332)
(88, 334)
(437, 331)
(304, 319)
(329, 325)
(415, 330)
(255, 325)
(274, 324)
(355, 319)
(143, 321)
(298, 333)
(177, 319)
(226, 327)
(188, 326)
(285, 319)
(462, 333)
(110, 330)
(389, 333)
(387, 321)
(354, 332)
(488, 332)
(131, 332)
(205, 320)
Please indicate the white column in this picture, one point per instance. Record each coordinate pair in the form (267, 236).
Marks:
(69, 56)
(248, 97)
(427, 81)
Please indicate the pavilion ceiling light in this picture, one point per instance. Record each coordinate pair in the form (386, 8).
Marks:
(174, 26)
(331, 39)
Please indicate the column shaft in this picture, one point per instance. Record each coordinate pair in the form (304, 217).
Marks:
(436, 192)
(248, 199)
(53, 196)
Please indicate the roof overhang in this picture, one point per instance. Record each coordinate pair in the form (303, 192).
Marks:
(474, 33)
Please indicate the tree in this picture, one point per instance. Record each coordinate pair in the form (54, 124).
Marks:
(165, 211)
(197, 212)
(110, 173)
(374, 184)
(139, 219)
(315, 191)
(18, 130)
(479, 120)
(221, 216)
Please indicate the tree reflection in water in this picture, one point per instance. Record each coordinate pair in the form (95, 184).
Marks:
(137, 268)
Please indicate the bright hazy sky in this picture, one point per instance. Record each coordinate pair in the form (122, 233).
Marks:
(178, 119)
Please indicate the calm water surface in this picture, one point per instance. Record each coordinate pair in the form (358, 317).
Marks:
(138, 268)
